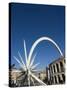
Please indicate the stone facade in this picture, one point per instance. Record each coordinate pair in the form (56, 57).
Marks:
(56, 72)
(42, 75)
(14, 73)
(17, 78)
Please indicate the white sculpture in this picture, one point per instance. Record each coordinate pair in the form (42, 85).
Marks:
(28, 66)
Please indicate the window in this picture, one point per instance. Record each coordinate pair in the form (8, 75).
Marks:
(63, 76)
(63, 79)
(62, 67)
(55, 79)
(51, 70)
(54, 68)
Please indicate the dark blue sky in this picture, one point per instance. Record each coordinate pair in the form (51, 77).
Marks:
(30, 22)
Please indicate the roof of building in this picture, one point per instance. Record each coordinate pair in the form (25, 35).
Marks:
(57, 60)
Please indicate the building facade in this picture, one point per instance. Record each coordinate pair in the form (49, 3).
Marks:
(14, 73)
(18, 78)
(56, 72)
(42, 75)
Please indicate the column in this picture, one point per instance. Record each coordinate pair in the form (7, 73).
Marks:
(59, 67)
(61, 77)
(51, 74)
(53, 80)
(57, 79)
(63, 64)
(55, 68)
(52, 69)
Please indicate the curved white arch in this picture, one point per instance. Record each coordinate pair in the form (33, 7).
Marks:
(37, 42)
